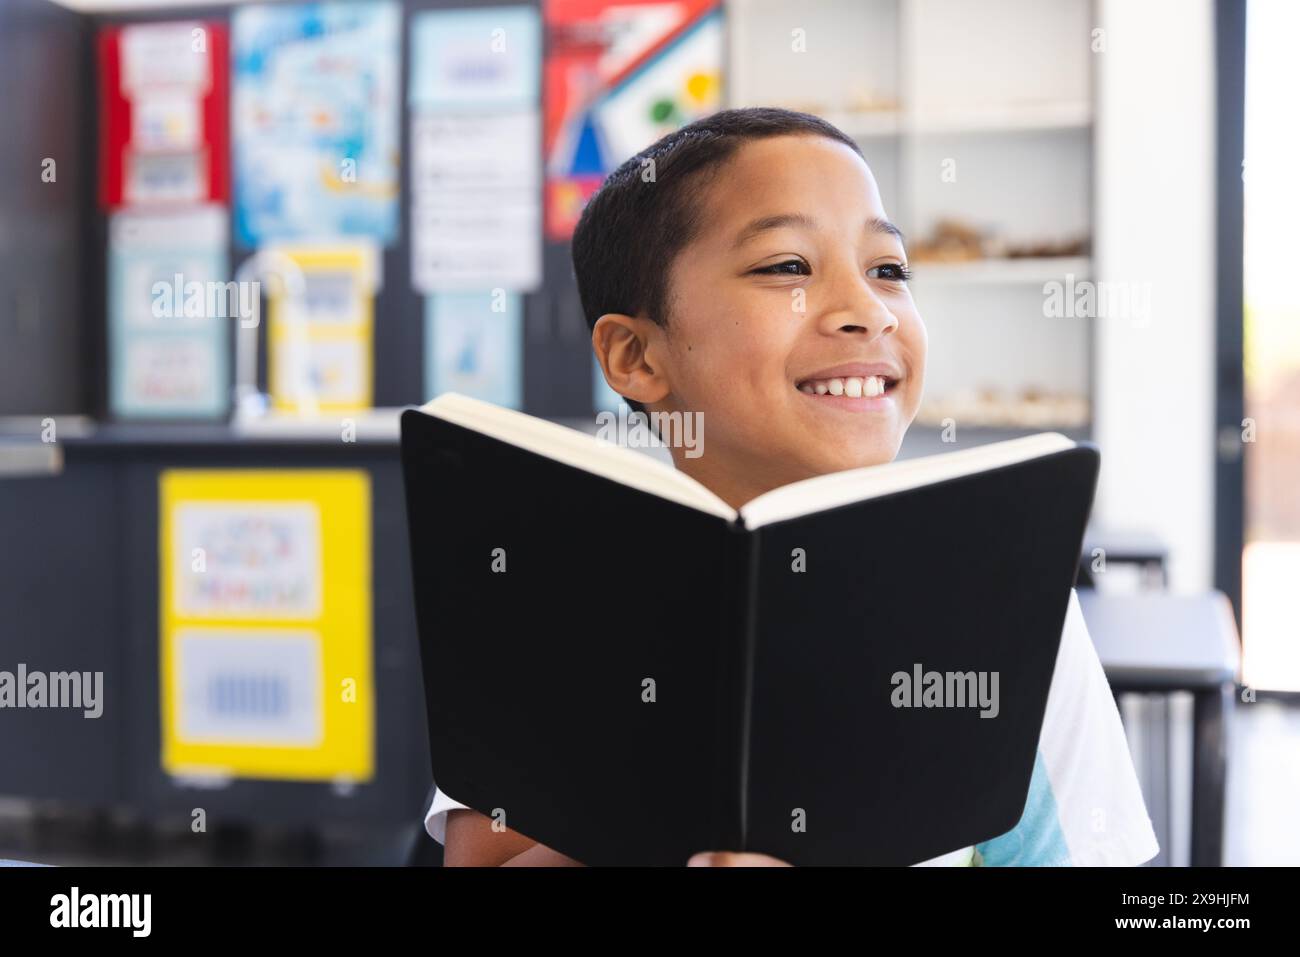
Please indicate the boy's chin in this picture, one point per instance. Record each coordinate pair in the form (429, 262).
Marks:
(841, 459)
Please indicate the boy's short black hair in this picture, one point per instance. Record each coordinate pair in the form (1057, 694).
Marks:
(650, 208)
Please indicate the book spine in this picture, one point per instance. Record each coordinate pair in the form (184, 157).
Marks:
(736, 700)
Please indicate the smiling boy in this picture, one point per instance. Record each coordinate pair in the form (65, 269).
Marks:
(743, 268)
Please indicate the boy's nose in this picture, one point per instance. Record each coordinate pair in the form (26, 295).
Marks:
(854, 307)
(871, 318)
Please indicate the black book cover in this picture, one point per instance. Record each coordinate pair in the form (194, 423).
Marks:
(967, 575)
(629, 680)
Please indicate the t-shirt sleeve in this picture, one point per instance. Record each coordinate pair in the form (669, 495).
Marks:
(435, 819)
(1084, 805)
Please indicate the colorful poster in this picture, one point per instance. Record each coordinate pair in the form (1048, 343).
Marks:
(618, 75)
(475, 129)
(321, 331)
(266, 655)
(316, 100)
(170, 312)
(473, 344)
(164, 122)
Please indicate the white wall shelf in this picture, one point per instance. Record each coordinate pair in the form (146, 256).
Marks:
(1033, 270)
(978, 119)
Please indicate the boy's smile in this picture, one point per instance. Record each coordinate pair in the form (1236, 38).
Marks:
(790, 325)
(855, 387)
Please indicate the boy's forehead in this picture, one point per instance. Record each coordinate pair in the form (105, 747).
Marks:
(791, 174)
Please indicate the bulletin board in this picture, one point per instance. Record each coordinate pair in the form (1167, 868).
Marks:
(667, 72)
(266, 657)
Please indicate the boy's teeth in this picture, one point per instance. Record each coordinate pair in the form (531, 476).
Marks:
(855, 387)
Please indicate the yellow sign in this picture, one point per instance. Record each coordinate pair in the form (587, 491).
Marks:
(266, 623)
(321, 331)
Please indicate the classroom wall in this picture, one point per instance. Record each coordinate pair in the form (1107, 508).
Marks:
(1154, 382)
(1154, 194)
(44, 189)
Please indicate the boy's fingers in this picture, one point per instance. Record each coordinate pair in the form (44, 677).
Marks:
(733, 859)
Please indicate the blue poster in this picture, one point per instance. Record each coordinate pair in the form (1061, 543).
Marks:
(473, 344)
(315, 115)
(171, 310)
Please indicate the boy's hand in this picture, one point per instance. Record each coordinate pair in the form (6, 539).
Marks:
(734, 859)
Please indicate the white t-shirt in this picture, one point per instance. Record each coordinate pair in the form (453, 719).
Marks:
(1084, 805)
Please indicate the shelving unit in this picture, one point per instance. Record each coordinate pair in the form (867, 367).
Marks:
(977, 121)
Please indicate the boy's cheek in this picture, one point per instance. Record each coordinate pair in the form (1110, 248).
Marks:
(732, 376)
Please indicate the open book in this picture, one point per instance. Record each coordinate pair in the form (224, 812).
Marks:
(851, 669)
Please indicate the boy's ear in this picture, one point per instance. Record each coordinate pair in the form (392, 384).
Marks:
(624, 346)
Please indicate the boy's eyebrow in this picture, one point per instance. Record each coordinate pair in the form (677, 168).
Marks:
(877, 225)
(804, 221)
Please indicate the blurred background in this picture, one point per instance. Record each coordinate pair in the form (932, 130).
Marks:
(237, 238)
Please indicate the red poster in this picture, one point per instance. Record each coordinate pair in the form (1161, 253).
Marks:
(164, 114)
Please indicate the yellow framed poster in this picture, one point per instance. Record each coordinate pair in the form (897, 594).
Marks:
(266, 645)
(321, 331)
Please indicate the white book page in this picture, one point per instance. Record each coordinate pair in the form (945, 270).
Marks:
(579, 450)
(638, 471)
(855, 485)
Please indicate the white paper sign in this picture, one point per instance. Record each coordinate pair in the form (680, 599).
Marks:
(476, 210)
(247, 559)
(250, 687)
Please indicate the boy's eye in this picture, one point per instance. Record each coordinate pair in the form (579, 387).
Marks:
(893, 272)
(791, 267)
